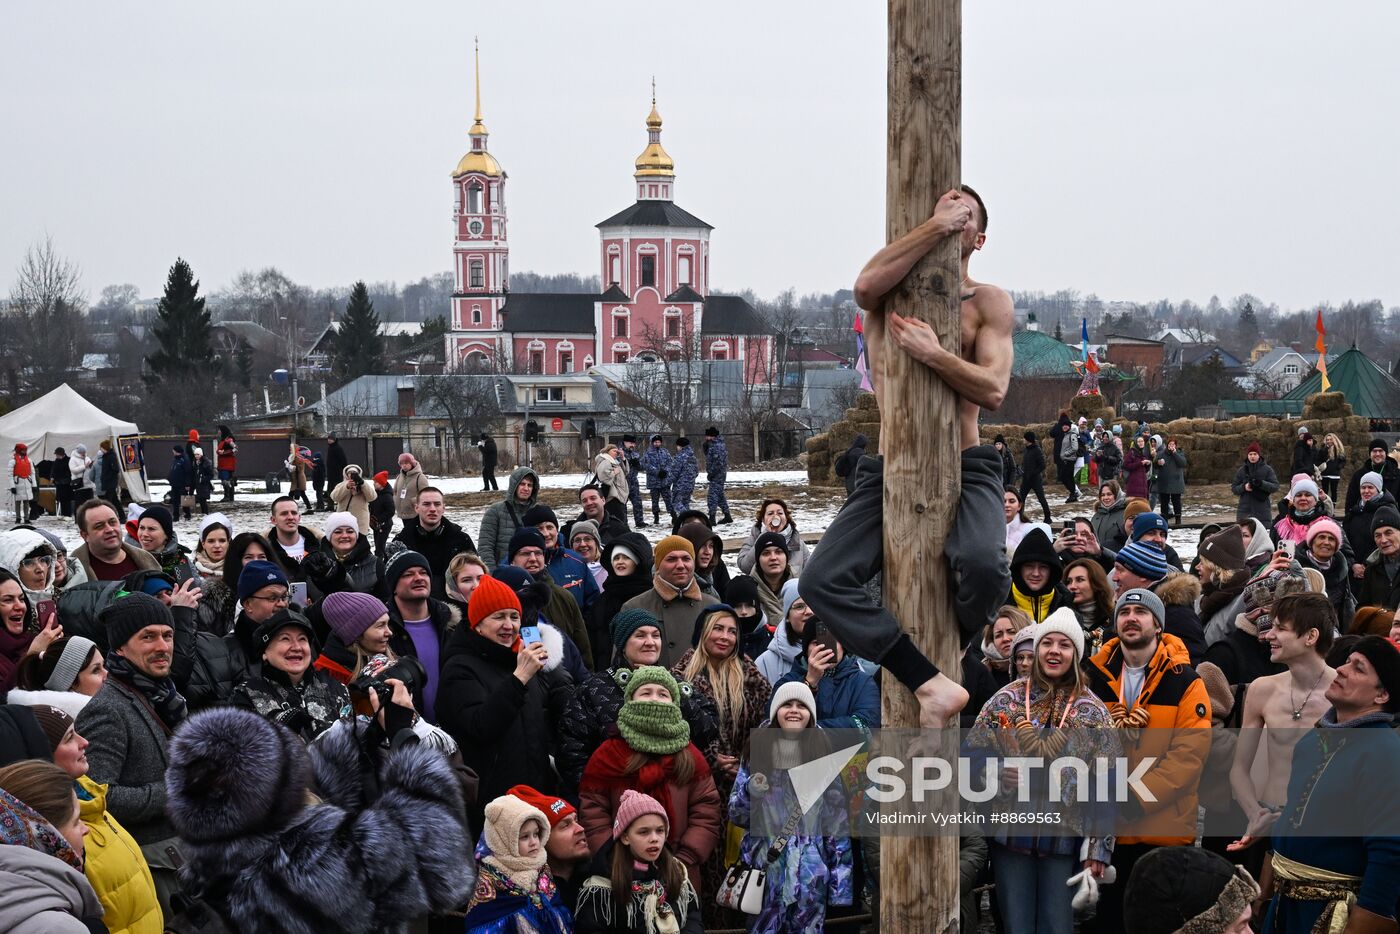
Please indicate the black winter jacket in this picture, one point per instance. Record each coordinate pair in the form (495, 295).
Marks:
(1032, 464)
(594, 709)
(326, 574)
(1356, 525)
(507, 731)
(337, 460)
(1390, 480)
(1254, 503)
(1242, 657)
(439, 546)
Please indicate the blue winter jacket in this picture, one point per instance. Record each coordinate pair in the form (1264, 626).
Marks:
(686, 468)
(716, 459)
(657, 461)
(847, 698)
(570, 571)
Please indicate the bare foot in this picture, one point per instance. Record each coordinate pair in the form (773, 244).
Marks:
(940, 699)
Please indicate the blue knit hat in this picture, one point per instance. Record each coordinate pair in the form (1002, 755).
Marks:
(1148, 522)
(629, 621)
(1145, 559)
(259, 574)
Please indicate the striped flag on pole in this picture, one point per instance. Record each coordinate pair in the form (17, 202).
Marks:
(862, 364)
(1321, 347)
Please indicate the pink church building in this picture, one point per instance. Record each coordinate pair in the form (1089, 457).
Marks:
(655, 262)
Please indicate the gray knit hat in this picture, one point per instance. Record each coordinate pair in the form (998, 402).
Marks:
(1143, 597)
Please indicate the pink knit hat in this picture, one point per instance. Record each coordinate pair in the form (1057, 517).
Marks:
(1324, 525)
(349, 614)
(635, 804)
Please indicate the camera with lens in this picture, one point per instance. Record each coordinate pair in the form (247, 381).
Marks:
(374, 677)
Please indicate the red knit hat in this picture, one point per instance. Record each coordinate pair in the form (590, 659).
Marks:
(556, 809)
(194, 434)
(489, 596)
(382, 478)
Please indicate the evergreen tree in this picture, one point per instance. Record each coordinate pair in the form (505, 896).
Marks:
(1248, 328)
(184, 349)
(358, 347)
(1059, 331)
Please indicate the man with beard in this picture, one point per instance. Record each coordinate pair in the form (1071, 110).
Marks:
(1156, 699)
(128, 724)
(675, 597)
(425, 621)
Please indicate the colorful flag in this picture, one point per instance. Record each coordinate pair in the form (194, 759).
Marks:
(1084, 340)
(862, 364)
(1321, 348)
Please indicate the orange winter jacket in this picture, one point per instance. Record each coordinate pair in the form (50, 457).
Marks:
(1177, 735)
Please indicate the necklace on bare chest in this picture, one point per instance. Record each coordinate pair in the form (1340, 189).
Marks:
(1298, 708)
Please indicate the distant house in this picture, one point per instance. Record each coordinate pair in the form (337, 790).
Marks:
(320, 353)
(1183, 355)
(1140, 357)
(1279, 371)
(1043, 379)
(1185, 336)
(1369, 389)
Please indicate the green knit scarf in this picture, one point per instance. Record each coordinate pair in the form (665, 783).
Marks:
(653, 727)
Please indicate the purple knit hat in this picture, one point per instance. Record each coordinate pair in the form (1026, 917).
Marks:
(349, 614)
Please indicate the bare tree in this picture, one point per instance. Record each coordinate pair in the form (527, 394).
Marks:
(468, 403)
(45, 335)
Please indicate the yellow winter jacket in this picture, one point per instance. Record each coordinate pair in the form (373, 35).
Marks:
(115, 867)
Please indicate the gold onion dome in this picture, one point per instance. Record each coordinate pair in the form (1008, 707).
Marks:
(478, 159)
(654, 161)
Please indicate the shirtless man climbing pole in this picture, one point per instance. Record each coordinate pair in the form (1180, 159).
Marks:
(852, 550)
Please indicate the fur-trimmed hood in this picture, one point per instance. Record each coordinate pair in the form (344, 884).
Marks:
(18, 544)
(70, 702)
(1179, 589)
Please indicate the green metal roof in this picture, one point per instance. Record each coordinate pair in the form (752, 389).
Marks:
(1370, 390)
(1037, 354)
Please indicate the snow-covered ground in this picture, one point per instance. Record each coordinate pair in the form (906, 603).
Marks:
(813, 507)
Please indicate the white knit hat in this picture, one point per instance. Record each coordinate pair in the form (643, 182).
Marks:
(339, 520)
(792, 690)
(1066, 623)
(1019, 640)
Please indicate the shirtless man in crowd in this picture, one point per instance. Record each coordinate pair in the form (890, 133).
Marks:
(1280, 709)
(852, 550)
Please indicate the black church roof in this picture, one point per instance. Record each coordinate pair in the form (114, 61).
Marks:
(654, 214)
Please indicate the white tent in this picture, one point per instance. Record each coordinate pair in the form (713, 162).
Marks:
(63, 419)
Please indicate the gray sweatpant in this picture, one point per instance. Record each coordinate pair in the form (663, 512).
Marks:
(852, 552)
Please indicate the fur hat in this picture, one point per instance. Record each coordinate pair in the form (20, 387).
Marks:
(490, 596)
(669, 544)
(1222, 699)
(1186, 890)
(349, 614)
(1140, 596)
(259, 574)
(1372, 621)
(526, 536)
(1066, 624)
(1225, 549)
(125, 616)
(1145, 559)
(339, 520)
(712, 432)
(1327, 525)
(159, 514)
(792, 690)
(553, 808)
(1385, 658)
(233, 774)
(635, 804)
(627, 622)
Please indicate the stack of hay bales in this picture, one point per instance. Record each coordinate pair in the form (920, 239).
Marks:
(822, 451)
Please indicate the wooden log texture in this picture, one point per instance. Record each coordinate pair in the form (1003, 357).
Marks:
(920, 437)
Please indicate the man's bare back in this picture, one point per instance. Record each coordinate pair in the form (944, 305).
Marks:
(981, 372)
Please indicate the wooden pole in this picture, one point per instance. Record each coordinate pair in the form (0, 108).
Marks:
(919, 431)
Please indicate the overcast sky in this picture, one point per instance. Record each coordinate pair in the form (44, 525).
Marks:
(1138, 151)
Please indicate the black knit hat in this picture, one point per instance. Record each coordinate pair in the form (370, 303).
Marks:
(160, 514)
(539, 513)
(769, 540)
(1386, 517)
(125, 616)
(400, 565)
(524, 537)
(1185, 890)
(1378, 444)
(742, 589)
